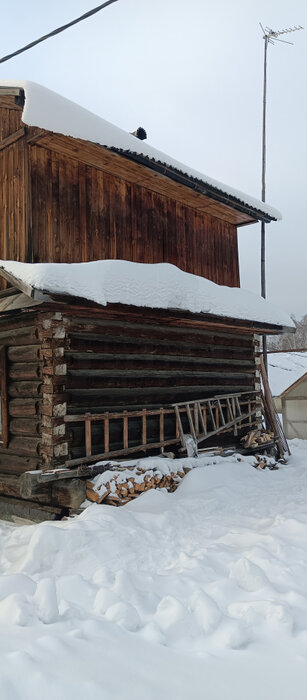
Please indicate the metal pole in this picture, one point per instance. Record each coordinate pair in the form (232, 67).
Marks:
(269, 35)
(263, 280)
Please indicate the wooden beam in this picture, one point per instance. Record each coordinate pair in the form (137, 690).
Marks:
(9, 140)
(22, 286)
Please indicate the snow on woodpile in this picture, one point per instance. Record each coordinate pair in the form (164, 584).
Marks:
(48, 110)
(121, 483)
(153, 285)
(285, 368)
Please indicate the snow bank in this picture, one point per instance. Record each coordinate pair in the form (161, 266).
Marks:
(285, 368)
(48, 110)
(196, 594)
(157, 285)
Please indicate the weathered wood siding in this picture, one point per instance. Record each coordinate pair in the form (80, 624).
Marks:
(14, 244)
(57, 208)
(81, 213)
(10, 117)
(129, 363)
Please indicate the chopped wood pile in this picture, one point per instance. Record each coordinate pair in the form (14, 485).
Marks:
(262, 462)
(256, 438)
(120, 485)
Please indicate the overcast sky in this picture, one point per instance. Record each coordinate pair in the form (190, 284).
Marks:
(191, 73)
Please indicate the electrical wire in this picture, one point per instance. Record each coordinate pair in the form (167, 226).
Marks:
(57, 31)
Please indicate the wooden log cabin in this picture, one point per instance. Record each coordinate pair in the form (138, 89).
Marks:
(76, 189)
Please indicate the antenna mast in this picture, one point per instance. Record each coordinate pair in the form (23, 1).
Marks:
(269, 36)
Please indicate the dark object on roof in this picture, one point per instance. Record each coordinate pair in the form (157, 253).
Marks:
(140, 133)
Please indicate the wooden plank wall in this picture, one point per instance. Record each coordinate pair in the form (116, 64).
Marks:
(117, 364)
(24, 380)
(81, 213)
(10, 117)
(13, 236)
(13, 168)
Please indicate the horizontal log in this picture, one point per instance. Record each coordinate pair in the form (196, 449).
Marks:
(113, 362)
(12, 509)
(32, 481)
(25, 446)
(153, 319)
(25, 371)
(18, 336)
(23, 353)
(141, 330)
(10, 486)
(25, 389)
(156, 381)
(174, 318)
(68, 493)
(131, 344)
(148, 395)
(14, 464)
(24, 407)
(24, 426)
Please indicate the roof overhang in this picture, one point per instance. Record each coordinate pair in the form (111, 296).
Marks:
(32, 296)
(71, 120)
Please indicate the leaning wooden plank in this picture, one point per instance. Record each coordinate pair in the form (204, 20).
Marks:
(121, 453)
(281, 438)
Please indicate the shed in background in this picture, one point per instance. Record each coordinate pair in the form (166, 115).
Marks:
(288, 381)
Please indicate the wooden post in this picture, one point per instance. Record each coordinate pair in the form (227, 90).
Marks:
(106, 434)
(125, 430)
(88, 435)
(144, 427)
(161, 425)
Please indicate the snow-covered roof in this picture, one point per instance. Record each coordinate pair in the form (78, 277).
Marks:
(156, 285)
(285, 368)
(46, 109)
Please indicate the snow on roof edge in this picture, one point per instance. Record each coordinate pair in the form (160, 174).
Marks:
(151, 285)
(48, 110)
(285, 369)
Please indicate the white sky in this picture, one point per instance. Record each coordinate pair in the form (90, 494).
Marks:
(191, 73)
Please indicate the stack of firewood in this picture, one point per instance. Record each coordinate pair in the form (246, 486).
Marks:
(121, 486)
(255, 438)
(262, 462)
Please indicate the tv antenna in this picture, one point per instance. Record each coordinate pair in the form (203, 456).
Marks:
(269, 36)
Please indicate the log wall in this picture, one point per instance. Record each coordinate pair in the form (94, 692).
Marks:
(20, 337)
(81, 213)
(97, 360)
(117, 364)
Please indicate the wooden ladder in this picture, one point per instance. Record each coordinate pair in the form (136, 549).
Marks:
(209, 417)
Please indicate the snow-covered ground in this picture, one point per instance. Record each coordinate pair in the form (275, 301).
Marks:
(200, 594)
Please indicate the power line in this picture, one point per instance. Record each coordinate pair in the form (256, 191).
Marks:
(57, 31)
